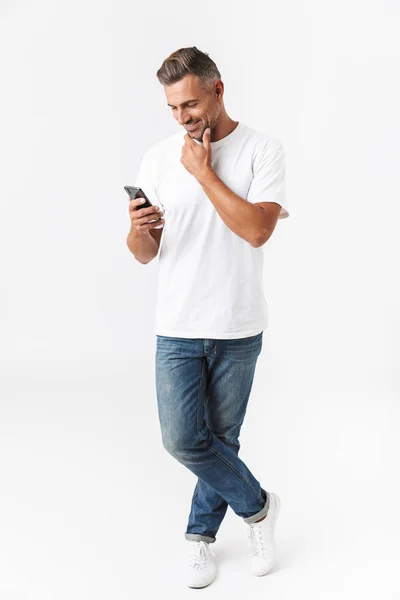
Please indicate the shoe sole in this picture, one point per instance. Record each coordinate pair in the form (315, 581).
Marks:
(196, 587)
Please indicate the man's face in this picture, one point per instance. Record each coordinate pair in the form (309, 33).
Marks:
(189, 103)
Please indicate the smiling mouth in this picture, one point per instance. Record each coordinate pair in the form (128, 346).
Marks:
(193, 125)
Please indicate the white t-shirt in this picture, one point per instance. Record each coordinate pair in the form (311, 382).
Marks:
(210, 280)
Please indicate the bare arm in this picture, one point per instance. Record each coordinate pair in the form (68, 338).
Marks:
(143, 240)
(144, 247)
(249, 221)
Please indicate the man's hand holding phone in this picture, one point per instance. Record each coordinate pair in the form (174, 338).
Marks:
(141, 217)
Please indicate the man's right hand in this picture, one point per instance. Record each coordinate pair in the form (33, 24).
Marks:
(140, 218)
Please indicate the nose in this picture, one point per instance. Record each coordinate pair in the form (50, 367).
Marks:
(182, 118)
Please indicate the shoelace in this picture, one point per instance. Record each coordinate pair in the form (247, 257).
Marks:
(198, 557)
(256, 539)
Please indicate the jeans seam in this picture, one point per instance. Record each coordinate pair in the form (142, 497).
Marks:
(196, 493)
(198, 400)
(237, 472)
(212, 450)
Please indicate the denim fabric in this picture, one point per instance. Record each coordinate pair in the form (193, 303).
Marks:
(203, 387)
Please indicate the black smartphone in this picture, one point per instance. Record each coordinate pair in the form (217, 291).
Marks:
(137, 192)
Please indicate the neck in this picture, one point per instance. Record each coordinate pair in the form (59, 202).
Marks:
(224, 127)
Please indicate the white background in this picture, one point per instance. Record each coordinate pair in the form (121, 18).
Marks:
(91, 504)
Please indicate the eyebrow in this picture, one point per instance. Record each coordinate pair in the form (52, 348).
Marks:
(184, 103)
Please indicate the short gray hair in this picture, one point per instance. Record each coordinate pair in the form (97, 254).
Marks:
(185, 61)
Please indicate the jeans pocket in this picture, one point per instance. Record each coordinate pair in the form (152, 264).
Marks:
(246, 348)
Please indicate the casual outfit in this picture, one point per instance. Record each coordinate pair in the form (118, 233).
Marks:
(210, 316)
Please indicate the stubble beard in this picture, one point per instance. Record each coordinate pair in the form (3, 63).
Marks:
(199, 136)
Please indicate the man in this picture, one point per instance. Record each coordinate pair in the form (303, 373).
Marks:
(221, 193)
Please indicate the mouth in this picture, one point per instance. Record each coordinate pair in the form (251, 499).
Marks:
(192, 126)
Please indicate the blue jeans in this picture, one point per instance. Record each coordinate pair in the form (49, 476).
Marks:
(203, 387)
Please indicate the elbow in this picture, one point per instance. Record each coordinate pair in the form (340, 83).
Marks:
(144, 262)
(260, 239)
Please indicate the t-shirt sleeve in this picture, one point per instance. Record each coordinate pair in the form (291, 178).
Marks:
(268, 183)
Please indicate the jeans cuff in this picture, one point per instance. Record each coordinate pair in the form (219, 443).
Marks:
(197, 537)
(261, 513)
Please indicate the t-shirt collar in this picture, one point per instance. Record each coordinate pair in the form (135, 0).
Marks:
(225, 139)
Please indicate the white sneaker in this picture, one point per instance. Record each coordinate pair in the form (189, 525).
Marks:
(261, 539)
(202, 568)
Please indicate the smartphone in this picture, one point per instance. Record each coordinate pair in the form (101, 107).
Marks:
(137, 192)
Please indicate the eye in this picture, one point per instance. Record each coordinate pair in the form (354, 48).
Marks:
(189, 106)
